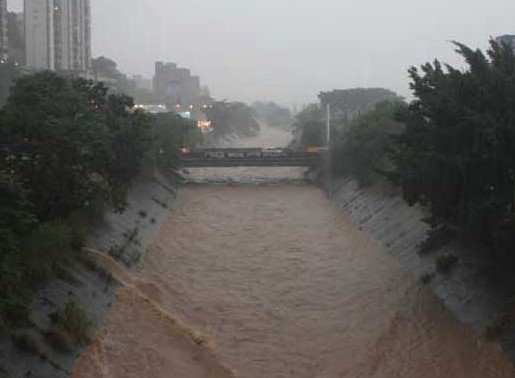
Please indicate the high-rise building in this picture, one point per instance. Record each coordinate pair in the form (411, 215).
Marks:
(3, 30)
(39, 34)
(143, 83)
(166, 87)
(16, 37)
(58, 35)
(72, 35)
(175, 86)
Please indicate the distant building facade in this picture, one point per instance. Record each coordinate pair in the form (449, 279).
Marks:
(72, 35)
(143, 83)
(176, 87)
(4, 42)
(507, 39)
(58, 35)
(39, 34)
(16, 37)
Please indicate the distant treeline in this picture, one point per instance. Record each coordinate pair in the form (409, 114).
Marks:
(451, 149)
(272, 114)
(68, 149)
(232, 118)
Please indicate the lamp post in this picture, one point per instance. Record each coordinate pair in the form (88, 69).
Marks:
(328, 141)
(328, 154)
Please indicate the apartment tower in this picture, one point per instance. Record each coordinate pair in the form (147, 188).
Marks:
(3, 31)
(58, 35)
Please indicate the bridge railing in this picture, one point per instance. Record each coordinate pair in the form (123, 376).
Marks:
(248, 156)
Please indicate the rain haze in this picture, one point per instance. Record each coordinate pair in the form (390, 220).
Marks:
(288, 51)
(324, 210)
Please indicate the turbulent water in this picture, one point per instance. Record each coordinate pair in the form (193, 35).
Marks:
(281, 283)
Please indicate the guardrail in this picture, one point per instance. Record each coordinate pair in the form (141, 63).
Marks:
(248, 157)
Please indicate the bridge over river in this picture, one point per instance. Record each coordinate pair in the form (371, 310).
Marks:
(248, 157)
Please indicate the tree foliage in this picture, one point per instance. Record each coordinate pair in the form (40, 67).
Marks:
(67, 145)
(78, 142)
(232, 118)
(107, 69)
(272, 114)
(170, 133)
(362, 150)
(309, 127)
(9, 72)
(457, 155)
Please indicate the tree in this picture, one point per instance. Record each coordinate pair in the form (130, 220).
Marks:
(105, 67)
(232, 118)
(170, 133)
(363, 149)
(272, 114)
(79, 142)
(457, 155)
(67, 145)
(309, 127)
(9, 72)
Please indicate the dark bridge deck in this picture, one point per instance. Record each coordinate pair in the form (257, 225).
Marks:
(248, 157)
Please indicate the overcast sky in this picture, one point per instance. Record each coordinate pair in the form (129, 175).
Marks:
(289, 50)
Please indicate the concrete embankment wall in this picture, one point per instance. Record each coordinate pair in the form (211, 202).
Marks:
(382, 212)
(125, 236)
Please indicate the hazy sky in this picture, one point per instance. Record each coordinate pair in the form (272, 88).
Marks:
(289, 50)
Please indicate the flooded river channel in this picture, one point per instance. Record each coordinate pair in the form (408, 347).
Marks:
(274, 280)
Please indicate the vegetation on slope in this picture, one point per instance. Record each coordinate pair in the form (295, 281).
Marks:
(457, 154)
(451, 149)
(68, 148)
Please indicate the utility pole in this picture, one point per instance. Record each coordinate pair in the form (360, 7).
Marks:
(328, 144)
(328, 155)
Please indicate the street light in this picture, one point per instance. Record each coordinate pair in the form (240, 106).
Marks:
(328, 155)
(328, 126)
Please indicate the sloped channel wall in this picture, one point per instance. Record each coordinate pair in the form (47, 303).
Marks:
(381, 211)
(125, 236)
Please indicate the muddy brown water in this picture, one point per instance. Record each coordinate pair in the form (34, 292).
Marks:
(280, 283)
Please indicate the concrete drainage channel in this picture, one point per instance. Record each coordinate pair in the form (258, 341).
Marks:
(378, 210)
(125, 236)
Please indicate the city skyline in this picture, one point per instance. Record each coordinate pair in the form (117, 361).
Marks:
(275, 50)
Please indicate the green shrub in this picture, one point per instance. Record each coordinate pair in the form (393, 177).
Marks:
(3, 372)
(436, 237)
(27, 343)
(445, 263)
(500, 326)
(426, 278)
(72, 326)
(14, 306)
(362, 150)
(4, 328)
